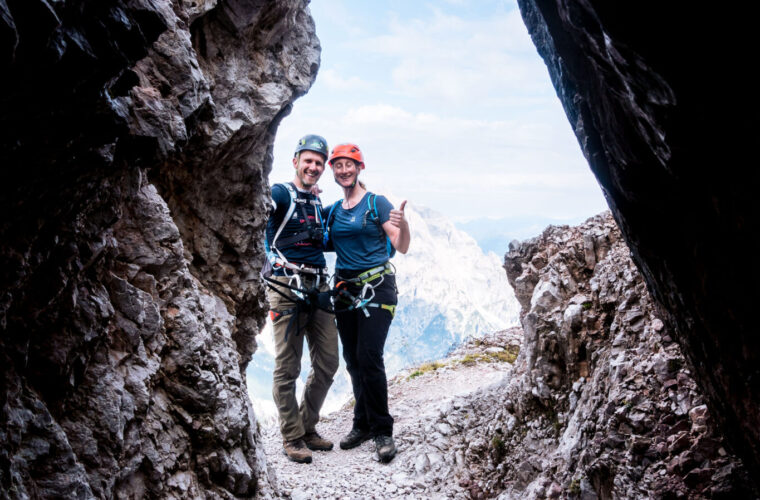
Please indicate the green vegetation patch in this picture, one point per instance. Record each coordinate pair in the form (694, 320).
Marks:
(432, 366)
(507, 355)
(575, 487)
(498, 447)
(426, 368)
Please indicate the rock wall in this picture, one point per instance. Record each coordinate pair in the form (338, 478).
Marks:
(600, 403)
(134, 159)
(661, 100)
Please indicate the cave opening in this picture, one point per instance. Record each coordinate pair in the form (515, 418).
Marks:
(135, 188)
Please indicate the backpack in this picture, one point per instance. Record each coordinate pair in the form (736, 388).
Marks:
(370, 213)
(313, 230)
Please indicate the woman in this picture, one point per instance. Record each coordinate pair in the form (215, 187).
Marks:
(365, 231)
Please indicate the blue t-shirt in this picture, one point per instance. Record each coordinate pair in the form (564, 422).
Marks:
(308, 252)
(356, 238)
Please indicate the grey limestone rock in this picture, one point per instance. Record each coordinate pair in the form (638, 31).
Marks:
(600, 403)
(136, 147)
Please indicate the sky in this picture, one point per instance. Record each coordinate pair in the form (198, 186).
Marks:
(451, 105)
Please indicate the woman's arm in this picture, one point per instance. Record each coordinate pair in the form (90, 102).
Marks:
(397, 229)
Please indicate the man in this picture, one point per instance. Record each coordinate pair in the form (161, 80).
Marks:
(294, 245)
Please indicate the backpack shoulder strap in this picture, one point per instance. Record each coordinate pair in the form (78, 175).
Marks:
(372, 207)
(291, 189)
(331, 214)
(372, 204)
(328, 223)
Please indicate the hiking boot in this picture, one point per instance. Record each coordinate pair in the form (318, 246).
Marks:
(297, 451)
(315, 442)
(354, 439)
(385, 448)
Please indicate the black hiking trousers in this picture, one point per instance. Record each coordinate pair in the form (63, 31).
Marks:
(363, 340)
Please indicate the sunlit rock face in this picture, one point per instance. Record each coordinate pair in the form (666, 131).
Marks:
(600, 403)
(134, 156)
(662, 107)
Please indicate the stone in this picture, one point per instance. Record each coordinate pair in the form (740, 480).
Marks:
(136, 180)
(698, 415)
(594, 388)
(653, 128)
(421, 464)
(300, 494)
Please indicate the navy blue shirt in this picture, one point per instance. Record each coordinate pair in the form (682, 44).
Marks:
(356, 238)
(308, 251)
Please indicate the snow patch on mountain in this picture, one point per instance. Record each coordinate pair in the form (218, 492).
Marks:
(448, 290)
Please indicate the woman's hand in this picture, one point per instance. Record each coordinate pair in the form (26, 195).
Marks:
(397, 216)
(397, 229)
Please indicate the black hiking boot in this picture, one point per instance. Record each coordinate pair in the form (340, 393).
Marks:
(385, 448)
(297, 451)
(354, 439)
(315, 442)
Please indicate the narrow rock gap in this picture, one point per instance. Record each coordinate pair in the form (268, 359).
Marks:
(134, 160)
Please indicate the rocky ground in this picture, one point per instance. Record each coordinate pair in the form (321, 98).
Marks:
(599, 403)
(429, 405)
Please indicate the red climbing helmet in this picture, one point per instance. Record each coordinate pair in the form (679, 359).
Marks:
(350, 151)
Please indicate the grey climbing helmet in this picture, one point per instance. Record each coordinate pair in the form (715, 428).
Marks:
(312, 142)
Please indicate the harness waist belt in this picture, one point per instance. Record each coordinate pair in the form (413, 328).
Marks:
(322, 271)
(370, 274)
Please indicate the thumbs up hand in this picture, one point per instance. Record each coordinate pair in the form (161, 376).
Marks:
(397, 216)
(397, 229)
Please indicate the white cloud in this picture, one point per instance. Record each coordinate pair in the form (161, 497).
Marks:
(505, 166)
(462, 61)
(334, 81)
(456, 114)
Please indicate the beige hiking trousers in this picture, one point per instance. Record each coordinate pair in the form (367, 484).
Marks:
(322, 338)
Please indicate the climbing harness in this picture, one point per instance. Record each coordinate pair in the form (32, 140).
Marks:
(306, 300)
(368, 281)
(311, 299)
(370, 214)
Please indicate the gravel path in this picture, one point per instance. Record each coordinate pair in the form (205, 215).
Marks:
(415, 404)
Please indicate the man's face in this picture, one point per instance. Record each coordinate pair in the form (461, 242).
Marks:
(309, 167)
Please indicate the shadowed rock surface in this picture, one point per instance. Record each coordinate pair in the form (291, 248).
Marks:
(661, 103)
(135, 153)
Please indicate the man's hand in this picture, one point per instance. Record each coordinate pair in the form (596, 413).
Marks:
(272, 258)
(316, 190)
(397, 216)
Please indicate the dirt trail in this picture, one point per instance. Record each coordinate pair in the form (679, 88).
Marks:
(416, 404)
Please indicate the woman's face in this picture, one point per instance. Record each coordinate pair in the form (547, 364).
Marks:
(346, 172)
